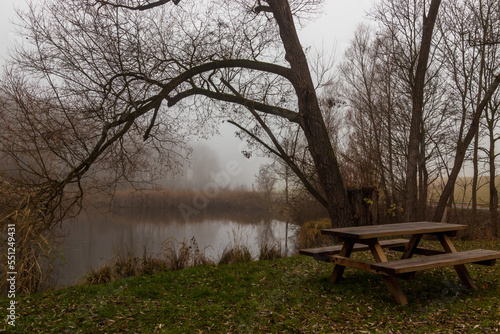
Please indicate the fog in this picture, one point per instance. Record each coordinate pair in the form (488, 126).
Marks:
(331, 32)
(227, 148)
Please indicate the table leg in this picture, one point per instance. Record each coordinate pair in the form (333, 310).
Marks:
(391, 282)
(377, 252)
(395, 290)
(461, 270)
(412, 246)
(338, 270)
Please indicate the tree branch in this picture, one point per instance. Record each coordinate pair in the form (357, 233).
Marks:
(265, 108)
(147, 6)
(281, 152)
(153, 121)
(462, 147)
(260, 9)
(220, 64)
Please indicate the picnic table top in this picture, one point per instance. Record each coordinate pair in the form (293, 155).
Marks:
(389, 230)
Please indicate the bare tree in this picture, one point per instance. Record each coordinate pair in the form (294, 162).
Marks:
(492, 118)
(470, 33)
(140, 66)
(414, 150)
(409, 25)
(266, 180)
(378, 74)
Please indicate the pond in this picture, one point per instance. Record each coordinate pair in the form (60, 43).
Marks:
(94, 238)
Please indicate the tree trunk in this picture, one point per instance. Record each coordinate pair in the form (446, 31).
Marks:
(423, 180)
(472, 225)
(493, 188)
(417, 110)
(493, 200)
(312, 122)
(423, 192)
(364, 202)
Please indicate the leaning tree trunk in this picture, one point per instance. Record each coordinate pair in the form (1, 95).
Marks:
(312, 122)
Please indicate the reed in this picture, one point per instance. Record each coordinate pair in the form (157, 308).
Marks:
(152, 265)
(35, 246)
(302, 208)
(310, 234)
(270, 252)
(102, 275)
(235, 254)
(175, 256)
(180, 255)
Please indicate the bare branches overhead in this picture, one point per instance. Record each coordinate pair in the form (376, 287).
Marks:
(136, 5)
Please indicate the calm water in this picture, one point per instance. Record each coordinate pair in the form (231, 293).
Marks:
(92, 239)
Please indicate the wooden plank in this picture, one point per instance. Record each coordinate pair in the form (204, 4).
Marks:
(322, 253)
(389, 230)
(435, 261)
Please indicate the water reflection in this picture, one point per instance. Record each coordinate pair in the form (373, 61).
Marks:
(93, 238)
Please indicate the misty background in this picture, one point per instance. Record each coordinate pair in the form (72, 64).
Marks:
(330, 32)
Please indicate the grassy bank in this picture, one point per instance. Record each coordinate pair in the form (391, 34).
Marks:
(289, 295)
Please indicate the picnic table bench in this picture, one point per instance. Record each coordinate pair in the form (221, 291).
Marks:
(324, 253)
(367, 238)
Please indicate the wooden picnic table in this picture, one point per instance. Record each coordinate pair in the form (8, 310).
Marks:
(405, 268)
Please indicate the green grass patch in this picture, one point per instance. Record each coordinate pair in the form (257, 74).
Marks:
(287, 295)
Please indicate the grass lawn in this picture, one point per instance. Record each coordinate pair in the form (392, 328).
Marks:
(289, 295)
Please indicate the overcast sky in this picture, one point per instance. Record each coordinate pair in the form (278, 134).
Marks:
(334, 28)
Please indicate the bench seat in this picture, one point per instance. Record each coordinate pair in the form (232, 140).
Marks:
(323, 253)
(479, 256)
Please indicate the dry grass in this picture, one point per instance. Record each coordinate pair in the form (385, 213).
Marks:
(235, 254)
(35, 247)
(463, 191)
(175, 256)
(126, 266)
(270, 252)
(181, 255)
(303, 208)
(310, 234)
